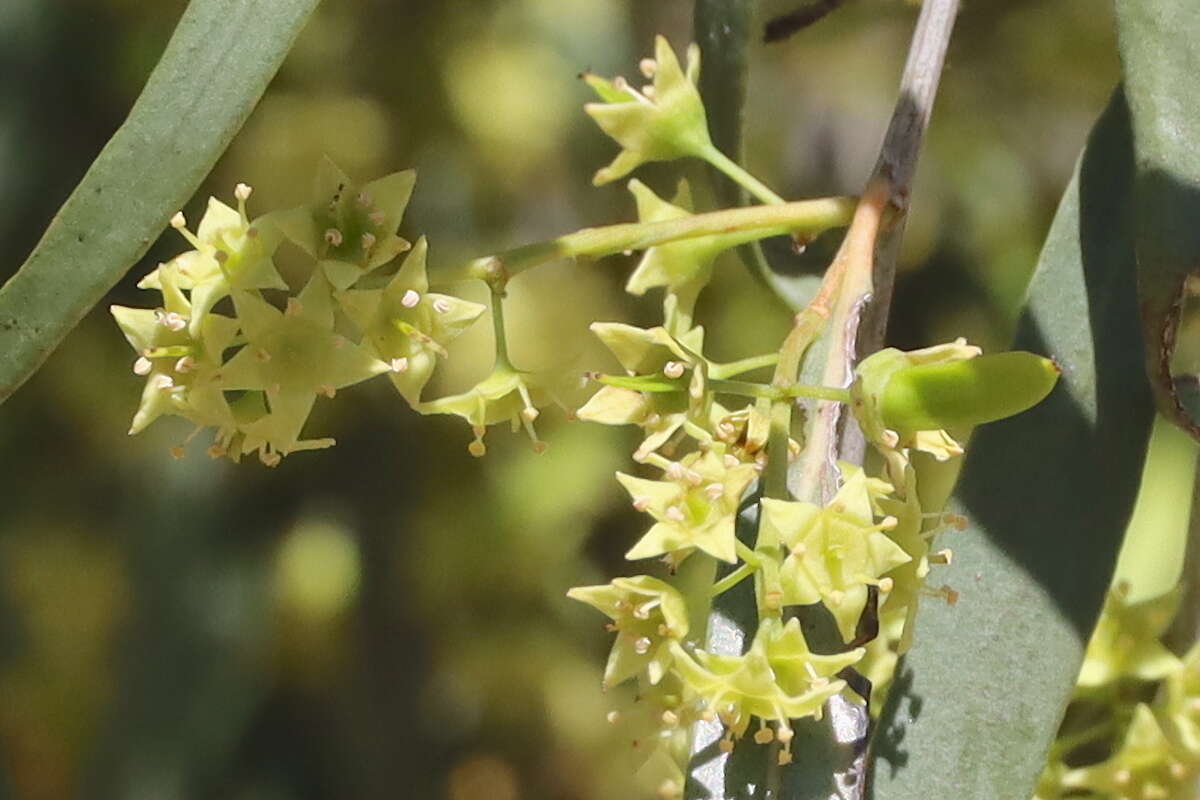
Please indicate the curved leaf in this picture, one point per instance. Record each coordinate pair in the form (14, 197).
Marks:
(214, 70)
(1161, 64)
(1048, 493)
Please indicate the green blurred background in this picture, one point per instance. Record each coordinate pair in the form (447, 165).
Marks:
(386, 618)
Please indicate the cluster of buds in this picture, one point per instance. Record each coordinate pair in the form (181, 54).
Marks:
(1113, 742)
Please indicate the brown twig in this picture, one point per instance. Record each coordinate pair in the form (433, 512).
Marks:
(784, 26)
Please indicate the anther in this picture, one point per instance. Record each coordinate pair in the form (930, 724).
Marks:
(675, 514)
(441, 305)
(641, 503)
(886, 585)
(731, 460)
(242, 191)
(764, 735)
(185, 364)
(642, 645)
(529, 414)
(162, 382)
(294, 307)
(177, 452)
(715, 491)
(179, 221)
(612, 717)
(215, 451)
(142, 366)
(399, 365)
(274, 389)
(648, 66)
(670, 718)
(944, 556)
(364, 200)
(333, 237)
(888, 523)
(377, 218)
(837, 597)
(675, 471)
(270, 459)
(410, 299)
(328, 390)
(368, 241)
(262, 355)
(673, 369)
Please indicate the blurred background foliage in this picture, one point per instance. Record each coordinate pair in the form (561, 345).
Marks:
(387, 619)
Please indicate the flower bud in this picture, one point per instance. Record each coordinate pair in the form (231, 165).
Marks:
(967, 392)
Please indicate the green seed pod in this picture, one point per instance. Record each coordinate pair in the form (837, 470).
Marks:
(965, 392)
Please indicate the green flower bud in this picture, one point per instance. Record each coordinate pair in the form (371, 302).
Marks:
(662, 122)
(962, 393)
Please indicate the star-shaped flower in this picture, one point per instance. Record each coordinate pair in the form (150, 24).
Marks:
(695, 508)
(675, 390)
(178, 366)
(292, 356)
(683, 267)
(350, 230)
(408, 325)
(662, 122)
(1144, 766)
(507, 394)
(835, 552)
(1179, 702)
(1126, 642)
(778, 679)
(647, 615)
(229, 253)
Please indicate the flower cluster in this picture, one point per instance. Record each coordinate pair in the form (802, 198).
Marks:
(1133, 726)
(707, 436)
(230, 348)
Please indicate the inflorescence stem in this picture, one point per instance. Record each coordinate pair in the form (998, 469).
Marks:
(809, 217)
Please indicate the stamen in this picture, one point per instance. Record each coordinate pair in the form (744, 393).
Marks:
(185, 364)
(648, 66)
(670, 718)
(368, 241)
(676, 471)
(675, 514)
(364, 200)
(377, 218)
(673, 369)
(328, 390)
(333, 237)
(731, 460)
(641, 646)
(886, 585)
(641, 503)
(715, 491)
(142, 366)
(242, 192)
(410, 299)
(441, 305)
(399, 365)
(162, 382)
(612, 717)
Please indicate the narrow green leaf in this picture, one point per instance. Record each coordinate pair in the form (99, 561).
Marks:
(1161, 63)
(214, 70)
(1048, 493)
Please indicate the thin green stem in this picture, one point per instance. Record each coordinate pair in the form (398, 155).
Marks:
(805, 216)
(731, 580)
(498, 328)
(751, 558)
(743, 365)
(773, 392)
(740, 176)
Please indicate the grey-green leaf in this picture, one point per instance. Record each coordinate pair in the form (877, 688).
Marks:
(1161, 63)
(1048, 494)
(213, 72)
